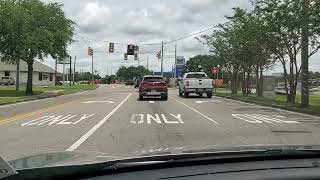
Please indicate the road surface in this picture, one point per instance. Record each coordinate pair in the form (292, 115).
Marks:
(113, 121)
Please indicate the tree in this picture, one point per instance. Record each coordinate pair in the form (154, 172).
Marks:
(35, 30)
(283, 21)
(126, 73)
(207, 62)
(239, 45)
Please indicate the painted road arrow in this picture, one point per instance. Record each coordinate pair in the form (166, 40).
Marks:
(90, 102)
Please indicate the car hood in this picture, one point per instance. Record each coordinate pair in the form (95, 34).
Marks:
(78, 158)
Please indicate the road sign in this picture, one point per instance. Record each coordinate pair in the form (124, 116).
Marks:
(180, 61)
(64, 60)
(215, 70)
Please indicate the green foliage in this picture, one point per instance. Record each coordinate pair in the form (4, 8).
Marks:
(33, 29)
(127, 73)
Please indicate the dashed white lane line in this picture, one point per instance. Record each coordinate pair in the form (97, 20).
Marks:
(151, 102)
(210, 119)
(75, 145)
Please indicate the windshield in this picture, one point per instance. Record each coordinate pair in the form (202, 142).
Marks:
(197, 76)
(152, 79)
(123, 79)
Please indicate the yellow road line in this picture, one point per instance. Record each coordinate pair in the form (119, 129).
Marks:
(22, 116)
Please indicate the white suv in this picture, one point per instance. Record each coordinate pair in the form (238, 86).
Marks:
(7, 80)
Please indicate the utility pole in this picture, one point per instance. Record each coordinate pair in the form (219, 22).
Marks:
(147, 63)
(55, 72)
(162, 58)
(175, 61)
(304, 55)
(74, 68)
(92, 70)
(64, 61)
(18, 75)
(70, 71)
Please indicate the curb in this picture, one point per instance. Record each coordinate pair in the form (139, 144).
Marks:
(293, 109)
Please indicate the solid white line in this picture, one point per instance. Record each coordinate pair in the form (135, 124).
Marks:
(291, 112)
(75, 145)
(151, 102)
(210, 119)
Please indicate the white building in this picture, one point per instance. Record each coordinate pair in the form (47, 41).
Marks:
(43, 75)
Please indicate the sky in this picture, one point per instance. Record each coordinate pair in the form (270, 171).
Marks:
(146, 24)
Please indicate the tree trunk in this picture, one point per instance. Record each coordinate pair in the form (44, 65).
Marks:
(234, 82)
(243, 83)
(260, 92)
(29, 81)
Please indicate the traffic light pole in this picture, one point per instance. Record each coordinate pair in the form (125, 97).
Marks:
(70, 71)
(175, 61)
(162, 58)
(92, 69)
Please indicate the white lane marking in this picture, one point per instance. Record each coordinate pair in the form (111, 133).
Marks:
(151, 102)
(75, 145)
(200, 102)
(54, 120)
(157, 118)
(260, 118)
(113, 87)
(210, 119)
(291, 112)
(90, 102)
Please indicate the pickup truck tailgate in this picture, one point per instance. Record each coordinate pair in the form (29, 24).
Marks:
(199, 83)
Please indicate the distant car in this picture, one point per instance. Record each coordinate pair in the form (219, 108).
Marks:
(137, 82)
(7, 80)
(153, 86)
(129, 82)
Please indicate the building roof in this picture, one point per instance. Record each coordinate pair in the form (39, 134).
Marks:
(37, 67)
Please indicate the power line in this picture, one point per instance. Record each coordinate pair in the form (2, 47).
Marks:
(184, 37)
(142, 44)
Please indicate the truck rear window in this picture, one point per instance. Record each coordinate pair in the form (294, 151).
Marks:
(153, 79)
(197, 76)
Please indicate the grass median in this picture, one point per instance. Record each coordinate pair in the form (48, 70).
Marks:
(9, 95)
(277, 101)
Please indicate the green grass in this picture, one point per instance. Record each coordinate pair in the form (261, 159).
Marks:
(277, 100)
(8, 94)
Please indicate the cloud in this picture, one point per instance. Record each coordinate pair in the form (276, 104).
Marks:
(94, 18)
(140, 21)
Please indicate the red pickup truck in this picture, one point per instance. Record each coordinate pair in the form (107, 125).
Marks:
(151, 86)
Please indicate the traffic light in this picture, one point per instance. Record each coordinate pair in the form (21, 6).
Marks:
(136, 49)
(111, 47)
(159, 55)
(136, 56)
(125, 56)
(130, 49)
(90, 51)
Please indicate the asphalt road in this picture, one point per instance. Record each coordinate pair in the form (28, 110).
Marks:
(112, 120)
